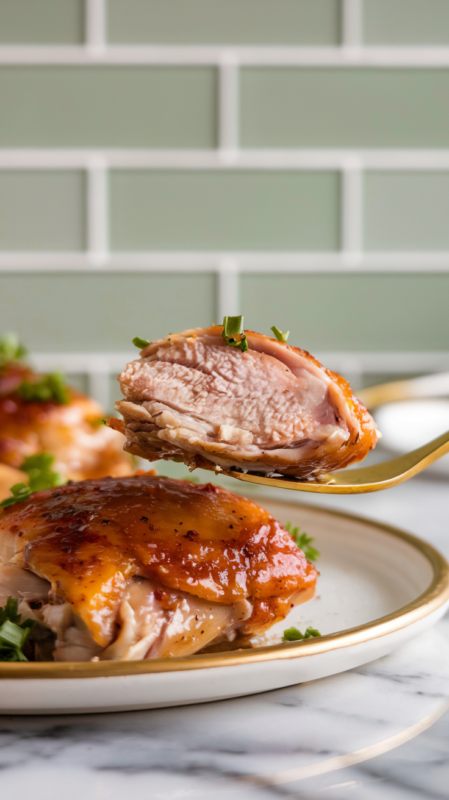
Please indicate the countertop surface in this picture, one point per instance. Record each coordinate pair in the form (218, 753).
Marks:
(380, 731)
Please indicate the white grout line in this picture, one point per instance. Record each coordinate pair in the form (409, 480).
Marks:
(106, 363)
(247, 159)
(351, 210)
(180, 55)
(53, 261)
(228, 120)
(95, 17)
(228, 300)
(351, 33)
(301, 262)
(103, 363)
(97, 212)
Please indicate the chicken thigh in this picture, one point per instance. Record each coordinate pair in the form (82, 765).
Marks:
(144, 567)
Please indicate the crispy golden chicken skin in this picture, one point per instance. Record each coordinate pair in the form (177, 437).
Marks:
(72, 432)
(143, 566)
(274, 408)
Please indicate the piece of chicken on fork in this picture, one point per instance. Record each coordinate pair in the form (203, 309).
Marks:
(144, 567)
(248, 402)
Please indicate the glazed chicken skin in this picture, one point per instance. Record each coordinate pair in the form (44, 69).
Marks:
(274, 408)
(144, 567)
(72, 431)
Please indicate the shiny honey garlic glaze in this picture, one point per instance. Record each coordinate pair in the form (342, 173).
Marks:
(88, 539)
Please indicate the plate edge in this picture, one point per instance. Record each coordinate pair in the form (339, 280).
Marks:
(436, 594)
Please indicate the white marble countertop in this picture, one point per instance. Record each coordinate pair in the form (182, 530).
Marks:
(380, 731)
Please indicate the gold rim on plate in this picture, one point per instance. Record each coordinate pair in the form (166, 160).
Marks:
(436, 594)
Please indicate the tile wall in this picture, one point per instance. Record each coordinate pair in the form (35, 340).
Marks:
(163, 162)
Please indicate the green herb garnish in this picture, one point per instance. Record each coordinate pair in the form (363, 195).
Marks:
(13, 632)
(11, 349)
(41, 476)
(10, 611)
(141, 343)
(191, 479)
(233, 333)
(303, 541)
(293, 635)
(19, 492)
(45, 389)
(281, 337)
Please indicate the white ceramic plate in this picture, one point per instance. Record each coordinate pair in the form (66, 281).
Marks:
(408, 424)
(378, 588)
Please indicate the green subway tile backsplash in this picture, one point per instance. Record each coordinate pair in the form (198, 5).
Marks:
(69, 312)
(232, 210)
(351, 312)
(311, 22)
(107, 106)
(176, 107)
(358, 107)
(42, 210)
(406, 211)
(406, 22)
(41, 21)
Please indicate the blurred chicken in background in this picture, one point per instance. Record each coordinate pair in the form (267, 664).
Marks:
(40, 414)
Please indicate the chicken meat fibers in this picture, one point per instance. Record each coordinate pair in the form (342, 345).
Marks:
(201, 398)
(144, 567)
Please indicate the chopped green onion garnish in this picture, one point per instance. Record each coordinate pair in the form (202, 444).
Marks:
(141, 343)
(303, 541)
(11, 349)
(20, 492)
(293, 635)
(281, 337)
(41, 476)
(10, 611)
(49, 388)
(13, 632)
(233, 333)
(232, 325)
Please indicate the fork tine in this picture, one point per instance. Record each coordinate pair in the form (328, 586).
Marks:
(356, 481)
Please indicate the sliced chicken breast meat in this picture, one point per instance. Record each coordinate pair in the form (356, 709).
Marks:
(273, 408)
(144, 567)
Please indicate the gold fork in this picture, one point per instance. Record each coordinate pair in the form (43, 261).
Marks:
(378, 476)
(356, 481)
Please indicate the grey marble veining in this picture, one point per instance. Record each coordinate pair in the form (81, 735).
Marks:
(380, 731)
